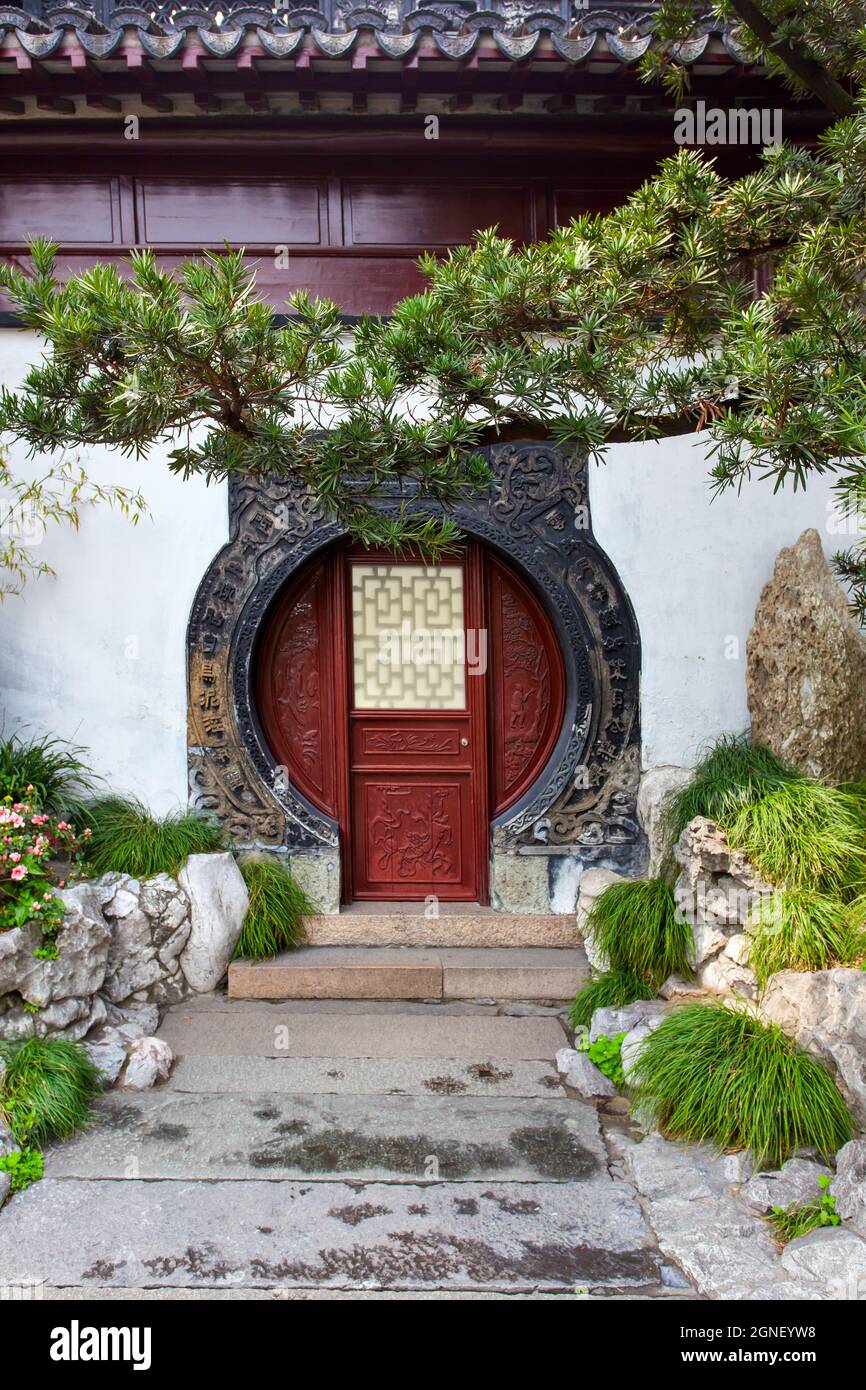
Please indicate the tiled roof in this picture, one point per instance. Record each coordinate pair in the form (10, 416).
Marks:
(456, 32)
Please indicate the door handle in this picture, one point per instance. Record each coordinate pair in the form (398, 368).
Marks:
(464, 743)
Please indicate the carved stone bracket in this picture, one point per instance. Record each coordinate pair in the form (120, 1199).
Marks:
(536, 515)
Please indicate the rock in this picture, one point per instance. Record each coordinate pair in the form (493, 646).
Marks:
(738, 949)
(610, 1022)
(716, 885)
(565, 1058)
(656, 787)
(672, 1278)
(219, 900)
(661, 1169)
(806, 668)
(834, 1256)
(675, 988)
(132, 962)
(849, 1184)
(825, 1012)
(149, 1061)
(795, 1181)
(146, 1016)
(708, 942)
(7, 1143)
(82, 943)
(107, 1049)
(725, 976)
(634, 1041)
(5, 1184)
(592, 884)
(587, 1079)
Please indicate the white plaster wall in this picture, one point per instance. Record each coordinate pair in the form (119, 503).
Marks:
(98, 654)
(694, 566)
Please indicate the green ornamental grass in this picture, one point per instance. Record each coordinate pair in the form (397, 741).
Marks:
(798, 929)
(637, 928)
(125, 838)
(717, 1075)
(733, 773)
(56, 771)
(805, 835)
(278, 907)
(46, 1089)
(612, 990)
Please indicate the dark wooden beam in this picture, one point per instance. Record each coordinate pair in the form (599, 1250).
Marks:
(100, 102)
(12, 107)
(62, 105)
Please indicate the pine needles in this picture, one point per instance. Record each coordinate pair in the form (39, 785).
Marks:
(717, 1075)
(125, 838)
(275, 917)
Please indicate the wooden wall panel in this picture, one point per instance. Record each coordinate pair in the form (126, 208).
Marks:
(208, 212)
(433, 214)
(76, 211)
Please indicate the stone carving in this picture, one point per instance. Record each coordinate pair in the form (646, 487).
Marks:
(537, 513)
(807, 668)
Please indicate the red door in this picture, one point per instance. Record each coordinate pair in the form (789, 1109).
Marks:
(375, 696)
(417, 736)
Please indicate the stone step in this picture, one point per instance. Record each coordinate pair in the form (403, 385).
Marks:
(335, 1138)
(269, 1032)
(327, 1235)
(469, 925)
(322, 1076)
(365, 972)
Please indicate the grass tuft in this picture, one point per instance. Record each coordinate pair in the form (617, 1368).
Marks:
(805, 835)
(275, 917)
(733, 773)
(803, 1217)
(717, 1075)
(798, 929)
(612, 990)
(46, 1089)
(56, 771)
(637, 927)
(125, 838)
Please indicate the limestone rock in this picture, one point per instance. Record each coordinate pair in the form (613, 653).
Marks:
(145, 1016)
(849, 1184)
(149, 1061)
(587, 1079)
(82, 943)
(634, 1041)
(795, 1181)
(717, 886)
(806, 668)
(834, 1256)
(218, 901)
(825, 1012)
(132, 962)
(107, 1049)
(656, 787)
(592, 884)
(725, 976)
(610, 1022)
(5, 1184)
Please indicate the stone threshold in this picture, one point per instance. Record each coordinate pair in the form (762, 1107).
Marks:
(461, 925)
(365, 972)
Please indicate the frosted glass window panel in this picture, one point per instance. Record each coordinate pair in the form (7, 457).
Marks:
(408, 639)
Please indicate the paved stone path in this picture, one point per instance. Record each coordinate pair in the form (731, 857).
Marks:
(364, 1150)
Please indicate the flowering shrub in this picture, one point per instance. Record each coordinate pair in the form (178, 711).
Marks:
(29, 841)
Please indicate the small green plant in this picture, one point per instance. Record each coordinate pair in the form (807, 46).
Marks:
(733, 773)
(805, 835)
(606, 1053)
(802, 1217)
(30, 841)
(718, 1075)
(278, 907)
(24, 1167)
(798, 929)
(612, 990)
(45, 770)
(46, 1089)
(126, 838)
(637, 928)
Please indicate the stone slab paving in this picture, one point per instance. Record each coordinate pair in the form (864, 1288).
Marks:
(166, 1135)
(191, 1033)
(136, 1234)
(418, 1076)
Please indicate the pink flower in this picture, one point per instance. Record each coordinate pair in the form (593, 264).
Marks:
(18, 873)
(14, 856)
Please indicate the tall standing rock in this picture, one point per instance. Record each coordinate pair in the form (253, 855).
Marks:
(806, 668)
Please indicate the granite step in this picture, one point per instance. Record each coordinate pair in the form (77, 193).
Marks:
(335, 1138)
(406, 924)
(411, 972)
